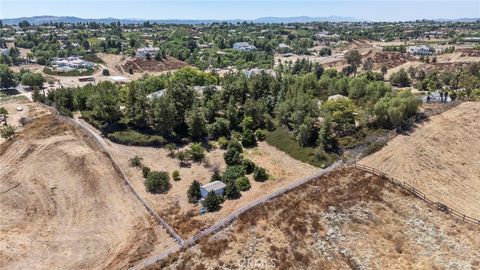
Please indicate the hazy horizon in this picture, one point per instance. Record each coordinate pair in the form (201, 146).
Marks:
(244, 10)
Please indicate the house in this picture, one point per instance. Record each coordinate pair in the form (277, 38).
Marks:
(419, 50)
(216, 186)
(143, 52)
(243, 46)
(325, 35)
(71, 63)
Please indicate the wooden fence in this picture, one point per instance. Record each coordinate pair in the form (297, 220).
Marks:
(419, 194)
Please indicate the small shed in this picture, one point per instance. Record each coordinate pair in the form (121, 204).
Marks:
(217, 186)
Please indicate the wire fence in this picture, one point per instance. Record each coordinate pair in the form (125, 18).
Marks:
(418, 193)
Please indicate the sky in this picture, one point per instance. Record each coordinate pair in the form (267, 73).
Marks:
(380, 10)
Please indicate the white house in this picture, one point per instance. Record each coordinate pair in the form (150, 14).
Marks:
(71, 63)
(143, 52)
(216, 186)
(243, 46)
(419, 50)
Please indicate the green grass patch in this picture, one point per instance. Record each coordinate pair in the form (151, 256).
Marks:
(85, 72)
(282, 140)
(132, 137)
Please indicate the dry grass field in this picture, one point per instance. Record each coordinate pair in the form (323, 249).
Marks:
(63, 206)
(441, 157)
(174, 206)
(348, 219)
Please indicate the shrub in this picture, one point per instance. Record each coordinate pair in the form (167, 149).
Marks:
(260, 174)
(7, 132)
(176, 175)
(231, 191)
(193, 192)
(146, 171)
(136, 161)
(171, 149)
(183, 156)
(222, 142)
(197, 151)
(243, 183)
(157, 182)
(232, 156)
(212, 202)
(248, 138)
(248, 165)
(232, 173)
(260, 134)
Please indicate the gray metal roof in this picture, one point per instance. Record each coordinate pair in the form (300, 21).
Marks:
(215, 185)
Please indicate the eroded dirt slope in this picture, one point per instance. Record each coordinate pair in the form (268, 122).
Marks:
(441, 157)
(63, 206)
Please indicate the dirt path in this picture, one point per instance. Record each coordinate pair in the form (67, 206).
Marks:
(441, 158)
(71, 210)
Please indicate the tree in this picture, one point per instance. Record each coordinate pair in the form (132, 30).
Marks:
(384, 69)
(193, 192)
(171, 149)
(216, 176)
(247, 123)
(34, 80)
(163, 115)
(197, 152)
(232, 156)
(400, 78)
(197, 126)
(212, 202)
(105, 103)
(137, 106)
(157, 182)
(7, 78)
(354, 58)
(260, 174)
(243, 184)
(341, 113)
(232, 173)
(248, 165)
(248, 138)
(183, 156)
(231, 191)
(221, 127)
(7, 132)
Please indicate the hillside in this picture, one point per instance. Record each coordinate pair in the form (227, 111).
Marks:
(63, 206)
(441, 157)
(348, 219)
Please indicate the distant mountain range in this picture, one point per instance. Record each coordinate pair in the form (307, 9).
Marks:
(70, 19)
(301, 19)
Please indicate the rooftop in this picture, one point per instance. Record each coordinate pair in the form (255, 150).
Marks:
(215, 185)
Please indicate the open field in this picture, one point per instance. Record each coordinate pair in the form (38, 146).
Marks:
(348, 219)
(441, 157)
(63, 206)
(174, 207)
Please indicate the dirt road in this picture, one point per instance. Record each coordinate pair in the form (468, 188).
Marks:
(441, 157)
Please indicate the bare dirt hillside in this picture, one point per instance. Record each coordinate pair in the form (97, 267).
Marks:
(441, 157)
(348, 219)
(63, 206)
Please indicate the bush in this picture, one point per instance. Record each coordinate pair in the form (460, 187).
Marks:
(232, 156)
(248, 138)
(171, 149)
(260, 174)
(197, 151)
(157, 182)
(222, 142)
(212, 202)
(231, 191)
(176, 175)
(183, 156)
(232, 173)
(260, 134)
(7, 132)
(193, 192)
(131, 137)
(243, 183)
(248, 165)
(146, 171)
(136, 161)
